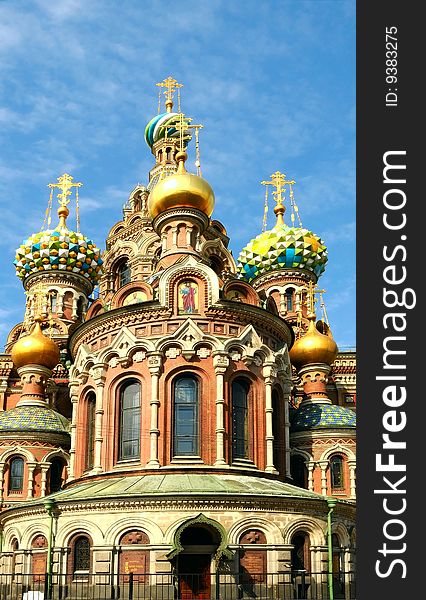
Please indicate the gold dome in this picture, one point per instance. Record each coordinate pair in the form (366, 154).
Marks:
(182, 189)
(313, 347)
(35, 349)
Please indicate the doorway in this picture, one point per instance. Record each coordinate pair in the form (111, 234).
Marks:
(194, 580)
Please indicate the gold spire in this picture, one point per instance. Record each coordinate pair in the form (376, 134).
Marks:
(65, 184)
(278, 180)
(171, 86)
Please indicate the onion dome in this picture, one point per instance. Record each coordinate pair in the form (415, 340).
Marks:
(35, 349)
(313, 347)
(283, 247)
(322, 416)
(33, 418)
(181, 190)
(59, 249)
(161, 124)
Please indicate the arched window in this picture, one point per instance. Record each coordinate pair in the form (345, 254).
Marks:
(124, 273)
(336, 473)
(299, 471)
(130, 421)
(289, 296)
(278, 431)
(81, 556)
(186, 417)
(240, 418)
(253, 561)
(53, 301)
(56, 470)
(300, 554)
(90, 430)
(16, 479)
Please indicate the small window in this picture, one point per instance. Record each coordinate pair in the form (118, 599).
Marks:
(186, 427)
(299, 471)
(336, 470)
(16, 481)
(240, 419)
(124, 274)
(130, 421)
(56, 470)
(289, 294)
(349, 399)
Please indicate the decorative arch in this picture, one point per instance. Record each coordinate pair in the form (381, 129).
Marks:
(17, 451)
(222, 550)
(240, 291)
(119, 298)
(11, 535)
(272, 531)
(342, 533)
(76, 527)
(32, 531)
(117, 529)
(337, 449)
(306, 525)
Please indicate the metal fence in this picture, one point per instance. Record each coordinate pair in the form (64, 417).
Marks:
(172, 586)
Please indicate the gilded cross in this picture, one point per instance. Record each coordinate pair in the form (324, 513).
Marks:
(65, 183)
(171, 86)
(278, 180)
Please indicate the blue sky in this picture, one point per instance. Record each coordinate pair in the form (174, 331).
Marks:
(273, 83)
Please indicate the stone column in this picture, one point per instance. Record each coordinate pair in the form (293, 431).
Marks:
(220, 364)
(269, 375)
(311, 466)
(155, 365)
(323, 464)
(1, 481)
(73, 386)
(352, 477)
(44, 469)
(30, 482)
(99, 374)
(286, 392)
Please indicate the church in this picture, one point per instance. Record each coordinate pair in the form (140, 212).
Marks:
(175, 422)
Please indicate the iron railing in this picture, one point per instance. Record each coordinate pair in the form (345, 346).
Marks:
(171, 586)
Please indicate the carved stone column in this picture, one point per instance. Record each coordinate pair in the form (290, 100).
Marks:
(323, 464)
(155, 365)
(73, 387)
(30, 482)
(311, 466)
(269, 375)
(220, 364)
(352, 477)
(99, 374)
(1, 481)
(44, 469)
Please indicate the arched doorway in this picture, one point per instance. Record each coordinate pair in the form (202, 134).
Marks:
(193, 563)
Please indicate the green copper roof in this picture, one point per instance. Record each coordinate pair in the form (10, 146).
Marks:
(33, 418)
(175, 485)
(322, 416)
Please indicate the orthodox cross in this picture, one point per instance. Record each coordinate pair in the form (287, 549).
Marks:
(278, 180)
(65, 183)
(171, 86)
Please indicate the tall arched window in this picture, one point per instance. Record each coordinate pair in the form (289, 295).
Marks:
(56, 470)
(80, 553)
(289, 299)
(278, 431)
(130, 421)
(124, 273)
(90, 430)
(299, 471)
(336, 473)
(300, 554)
(16, 479)
(186, 417)
(240, 419)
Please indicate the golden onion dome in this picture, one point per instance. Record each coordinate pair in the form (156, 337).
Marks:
(313, 347)
(182, 189)
(35, 349)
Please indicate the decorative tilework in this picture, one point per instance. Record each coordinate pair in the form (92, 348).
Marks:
(315, 416)
(61, 250)
(33, 418)
(282, 247)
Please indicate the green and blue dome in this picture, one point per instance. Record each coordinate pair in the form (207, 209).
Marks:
(322, 416)
(158, 126)
(59, 249)
(33, 418)
(282, 247)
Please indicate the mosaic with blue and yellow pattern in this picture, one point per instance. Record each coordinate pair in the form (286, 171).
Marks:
(322, 416)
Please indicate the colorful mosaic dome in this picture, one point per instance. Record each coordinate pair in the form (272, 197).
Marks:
(283, 247)
(322, 416)
(33, 418)
(156, 128)
(58, 249)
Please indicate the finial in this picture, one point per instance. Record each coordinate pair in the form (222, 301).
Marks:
(278, 180)
(65, 184)
(171, 86)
